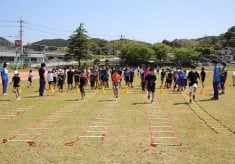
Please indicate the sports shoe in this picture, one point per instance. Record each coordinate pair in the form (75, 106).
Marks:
(148, 97)
(152, 102)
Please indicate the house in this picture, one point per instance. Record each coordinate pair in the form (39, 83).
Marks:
(227, 54)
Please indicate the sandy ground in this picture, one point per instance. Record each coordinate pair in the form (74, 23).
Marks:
(23, 75)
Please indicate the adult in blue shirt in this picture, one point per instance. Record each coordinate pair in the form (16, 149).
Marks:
(216, 80)
(4, 74)
(42, 79)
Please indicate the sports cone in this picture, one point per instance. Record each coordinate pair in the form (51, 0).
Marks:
(153, 144)
(162, 91)
(77, 90)
(52, 89)
(126, 90)
(202, 91)
(103, 90)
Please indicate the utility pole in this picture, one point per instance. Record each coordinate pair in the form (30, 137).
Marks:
(21, 37)
(21, 51)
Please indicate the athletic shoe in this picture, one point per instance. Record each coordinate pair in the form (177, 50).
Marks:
(152, 102)
(148, 97)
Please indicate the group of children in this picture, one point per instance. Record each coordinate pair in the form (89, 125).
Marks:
(99, 76)
(180, 77)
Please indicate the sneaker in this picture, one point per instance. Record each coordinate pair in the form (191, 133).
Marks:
(4, 94)
(152, 102)
(18, 98)
(148, 97)
(214, 98)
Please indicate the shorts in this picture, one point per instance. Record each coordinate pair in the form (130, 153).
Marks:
(192, 86)
(168, 81)
(181, 82)
(30, 79)
(54, 80)
(151, 88)
(70, 81)
(60, 85)
(127, 79)
(16, 88)
(50, 82)
(92, 83)
(115, 85)
(82, 87)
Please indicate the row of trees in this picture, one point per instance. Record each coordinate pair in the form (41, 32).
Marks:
(80, 46)
(134, 53)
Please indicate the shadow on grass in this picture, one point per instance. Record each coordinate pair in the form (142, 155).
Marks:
(6, 100)
(80, 99)
(36, 96)
(205, 100)
(181, 103)
(140, 103)
(106, 100)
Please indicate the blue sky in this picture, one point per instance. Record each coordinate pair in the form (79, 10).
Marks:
(145, 20)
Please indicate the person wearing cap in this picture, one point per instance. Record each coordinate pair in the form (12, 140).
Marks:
(42, 79)
(4, 75)
(16, 84)
(223, 76)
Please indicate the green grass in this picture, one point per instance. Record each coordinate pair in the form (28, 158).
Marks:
(128, 140)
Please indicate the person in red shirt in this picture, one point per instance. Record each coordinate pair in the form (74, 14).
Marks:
(115, 79)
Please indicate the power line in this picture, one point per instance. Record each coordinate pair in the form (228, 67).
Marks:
(43, 31)
(9, 21)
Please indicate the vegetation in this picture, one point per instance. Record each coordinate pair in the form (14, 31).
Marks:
(80, 46)
(4, 43)
(49, 45)
(78, 43)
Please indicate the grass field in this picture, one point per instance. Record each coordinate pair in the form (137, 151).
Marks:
(120, 129)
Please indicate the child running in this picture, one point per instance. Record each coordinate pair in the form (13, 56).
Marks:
(30, 78)
(203, 76)
(151, 84)
(193, 75)
(16, 84)
(50, 79)
(61, 78)
(115, 79)
(83, 82)
(70, 74)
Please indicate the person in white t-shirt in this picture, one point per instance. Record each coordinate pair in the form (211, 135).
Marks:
(50, 79)
(30, 78)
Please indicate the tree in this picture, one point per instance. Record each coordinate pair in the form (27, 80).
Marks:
(161, 50)
(230, 37)
(185, 55)
(135, 54)
(78, 44)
